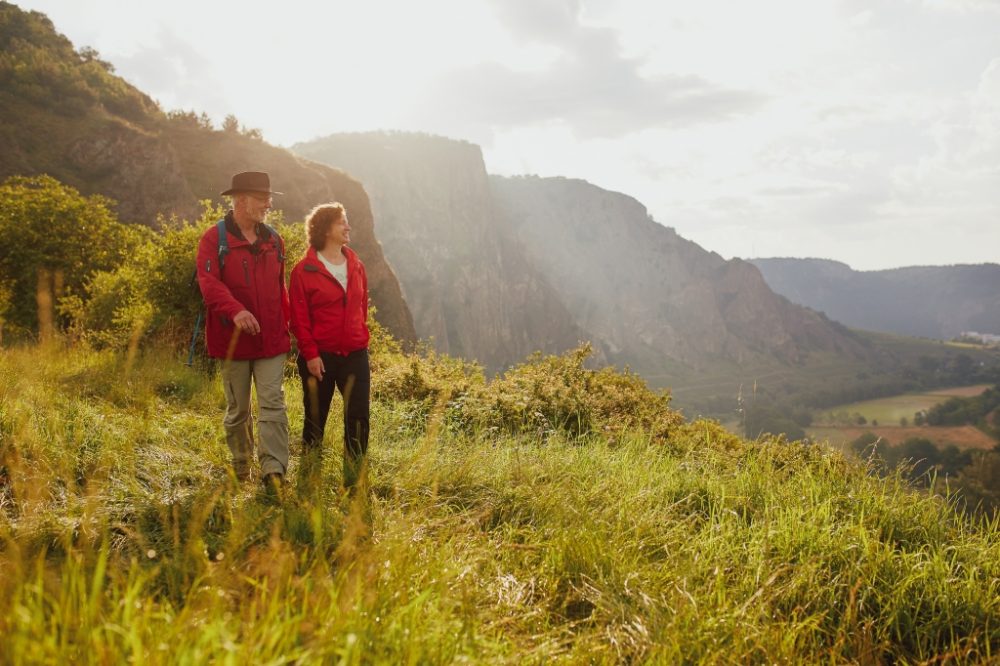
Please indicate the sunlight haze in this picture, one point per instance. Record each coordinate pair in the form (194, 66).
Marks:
(865, 132)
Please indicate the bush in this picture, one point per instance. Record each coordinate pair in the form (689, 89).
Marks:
(550, 394)
(425, 381)
(51, 229)
(762, 418)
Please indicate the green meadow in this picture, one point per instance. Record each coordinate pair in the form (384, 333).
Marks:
(530, 520)
(890, 410)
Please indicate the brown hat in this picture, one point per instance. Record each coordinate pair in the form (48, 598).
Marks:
(250, 181)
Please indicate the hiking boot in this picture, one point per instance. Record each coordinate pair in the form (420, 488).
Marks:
(274, 484)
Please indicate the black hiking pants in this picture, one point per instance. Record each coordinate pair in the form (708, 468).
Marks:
(351, 375)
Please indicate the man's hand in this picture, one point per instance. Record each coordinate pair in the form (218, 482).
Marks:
(246, 322)
(316, 368)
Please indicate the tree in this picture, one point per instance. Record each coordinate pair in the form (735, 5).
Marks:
(190, 119)
(231, 124)
(866, 444)
(920, 453)
(56, 239)
(762, 418)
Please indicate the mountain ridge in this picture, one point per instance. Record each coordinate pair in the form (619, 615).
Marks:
(926, 301)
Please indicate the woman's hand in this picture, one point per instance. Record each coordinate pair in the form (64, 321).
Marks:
(315, 367)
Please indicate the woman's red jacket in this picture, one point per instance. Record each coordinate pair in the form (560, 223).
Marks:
(324, 316)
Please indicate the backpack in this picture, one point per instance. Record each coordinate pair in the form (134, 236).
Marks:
(223, 251)
(224, 244)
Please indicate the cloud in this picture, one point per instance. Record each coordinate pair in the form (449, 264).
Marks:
(590, 86)
(174, 72)
(549, 21)
(965, 5)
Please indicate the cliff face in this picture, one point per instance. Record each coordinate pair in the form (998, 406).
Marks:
(651, 297)
(469, 285)
(927, 301)
(67, 115)
(494, 268)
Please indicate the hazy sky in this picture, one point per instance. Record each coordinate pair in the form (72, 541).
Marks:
(862, 131)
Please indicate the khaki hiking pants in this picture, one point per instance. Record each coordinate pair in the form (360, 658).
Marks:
(272, 420)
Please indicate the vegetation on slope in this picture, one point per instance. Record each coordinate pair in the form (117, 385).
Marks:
(486, 535)
(982, 411)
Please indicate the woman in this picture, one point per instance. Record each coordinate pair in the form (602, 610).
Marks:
(329, 317)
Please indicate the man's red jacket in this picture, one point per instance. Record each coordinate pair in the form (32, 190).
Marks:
(324, 316)
(252, 278)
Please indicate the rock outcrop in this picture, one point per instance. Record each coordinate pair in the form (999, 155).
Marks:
(469, 285)
(490, 265)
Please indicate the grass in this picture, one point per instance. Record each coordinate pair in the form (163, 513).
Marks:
(123, 539)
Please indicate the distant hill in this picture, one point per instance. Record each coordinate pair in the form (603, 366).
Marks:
(927, 301)
(65, 113)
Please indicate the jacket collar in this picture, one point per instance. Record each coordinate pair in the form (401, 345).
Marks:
(312, 256)
(316, 266)
(263, 233)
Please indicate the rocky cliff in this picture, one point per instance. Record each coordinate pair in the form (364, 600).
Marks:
(492, 267)
(469, 285)
(927, 301)
(654, 299)
(66, 114)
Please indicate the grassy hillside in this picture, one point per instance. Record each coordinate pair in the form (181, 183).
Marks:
(494, 531)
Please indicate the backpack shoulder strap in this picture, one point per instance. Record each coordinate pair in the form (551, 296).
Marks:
(223, 243)
(280, 244)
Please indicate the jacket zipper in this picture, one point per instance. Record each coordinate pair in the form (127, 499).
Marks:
(343, 320)
(246, 274)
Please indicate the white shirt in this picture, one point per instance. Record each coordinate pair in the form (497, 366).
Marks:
(339, 272)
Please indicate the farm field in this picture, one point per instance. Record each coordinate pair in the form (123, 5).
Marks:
(964, 437)
(884, 416)
(888, 411)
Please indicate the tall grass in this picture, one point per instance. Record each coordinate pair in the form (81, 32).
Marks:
(123, 538)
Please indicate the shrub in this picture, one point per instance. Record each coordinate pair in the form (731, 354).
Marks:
(550, 394)
(423, 379)
(52, 229)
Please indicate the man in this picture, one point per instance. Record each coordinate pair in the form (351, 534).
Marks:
(246, 325)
